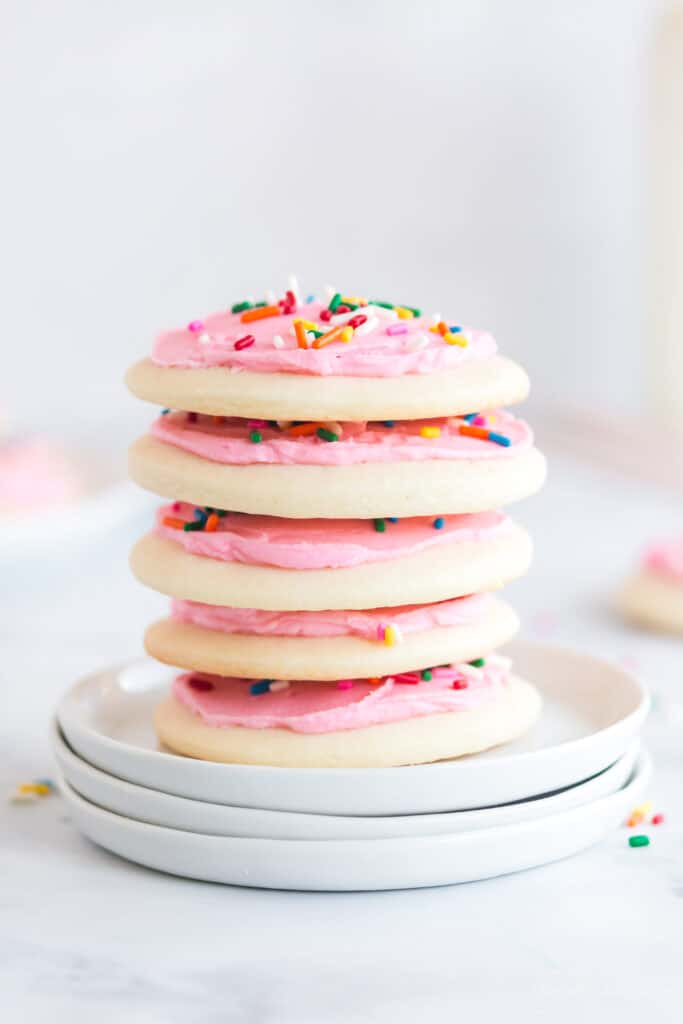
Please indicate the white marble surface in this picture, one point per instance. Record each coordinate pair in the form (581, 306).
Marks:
(87, 937)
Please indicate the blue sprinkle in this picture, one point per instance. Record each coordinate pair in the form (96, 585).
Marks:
(455, 330)
(262, 686)
(46, 782)
(200, 515)
(438, 523)
(500, 439)
(470, 416)
(165, 412)
(389, 423)
(392, 519)
(310, 299)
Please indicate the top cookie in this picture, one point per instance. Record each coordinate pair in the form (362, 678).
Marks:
(347, 358)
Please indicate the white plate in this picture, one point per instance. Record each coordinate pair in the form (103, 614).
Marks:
(155, 808)
(358, 864)
(592, 712)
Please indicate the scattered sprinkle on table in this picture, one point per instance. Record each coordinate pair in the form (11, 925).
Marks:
(639, 840)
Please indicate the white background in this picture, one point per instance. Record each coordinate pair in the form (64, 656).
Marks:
(162, 159)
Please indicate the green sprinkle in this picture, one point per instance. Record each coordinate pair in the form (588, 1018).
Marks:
(198, 524)
(260, 305)
(426, 674)
(477, 663)
(255, 436)
(240, 307)
(413, 310)
(352, 305)
(327, 435)
(317, 334)
(379, 525)
(334, 301)
(639, 841)
(384, 305)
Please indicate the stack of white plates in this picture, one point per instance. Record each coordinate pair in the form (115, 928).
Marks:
(558, 790)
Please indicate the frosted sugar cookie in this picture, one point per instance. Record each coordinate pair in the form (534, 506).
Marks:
(341, 359)
(653, 596)
(312, 564)
(336, 470)
(319, 645)
(409, 719)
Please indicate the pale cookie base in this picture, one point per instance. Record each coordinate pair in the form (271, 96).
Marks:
(363, 491)
(653, 600)
(479, 384)
(327, 658)
(434, 574)
(414, 741)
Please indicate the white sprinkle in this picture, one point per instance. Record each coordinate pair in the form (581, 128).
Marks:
(341, 318)
(279, 684)
(271, 297)
(278, 341)
(368, 326)
(204, 338)
(310, 337)
(336, 428)
(470, 672)
(329, 292)
(283, 424)
(293, 286)
(380, 311)
(24, 798)
(415, 344)
(436, 318)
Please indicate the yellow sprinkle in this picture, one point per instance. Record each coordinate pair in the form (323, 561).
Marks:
(403, 313)
(455, 339)
(435, 329)
(392, 636)
(355, 300)
(309, 325)
(346, 334)
(643, 808)
(430, 431)
(34, 787)
(491, 418)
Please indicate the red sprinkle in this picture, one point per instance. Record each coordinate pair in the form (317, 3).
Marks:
(203, 685)
(192, 417)
(325, 315)
(246, 342)
(341, 308)
(195, 326)
(459, 684)
(657, 819)
(357, 320)
(407, 677)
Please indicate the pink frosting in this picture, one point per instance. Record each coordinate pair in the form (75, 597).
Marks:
(666, 557)
(321, 543)
(373, 354)
(35, 473)
(255, 621)
(229, 442)
(312, 707)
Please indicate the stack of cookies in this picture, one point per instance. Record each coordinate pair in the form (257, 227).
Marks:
(334, 471)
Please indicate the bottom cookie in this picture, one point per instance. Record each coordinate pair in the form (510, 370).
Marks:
(508, 710)
(653, 600)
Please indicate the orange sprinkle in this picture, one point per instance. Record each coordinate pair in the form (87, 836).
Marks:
(177, 524)
(260, 314)
(635, 819)
(375, 680)
(332, 335)
(302, 429)
(468, 431)
(300, 331)
(211, 523)
(218, 420)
